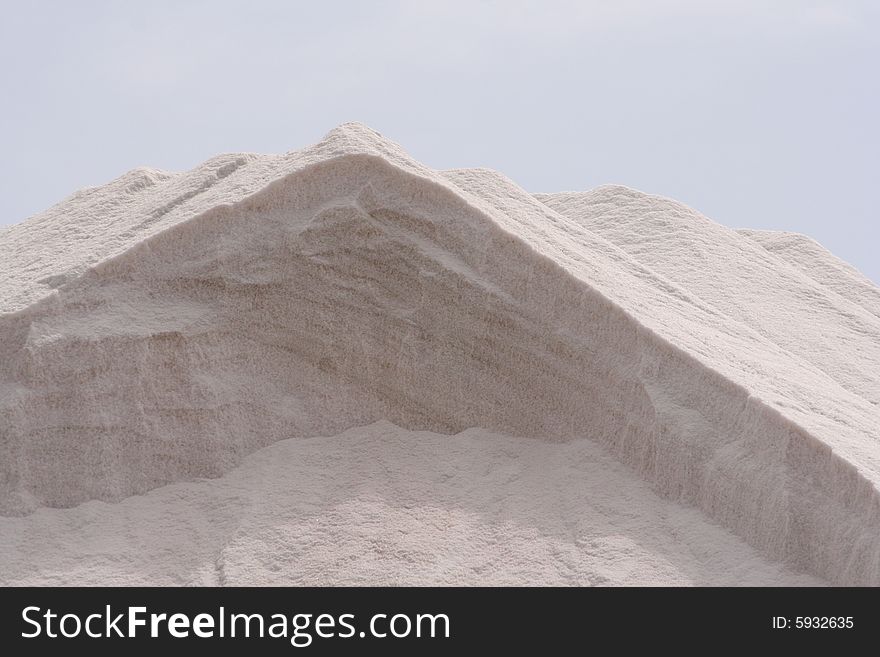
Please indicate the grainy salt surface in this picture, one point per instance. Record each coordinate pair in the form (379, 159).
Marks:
(382, 505)
(598, 387)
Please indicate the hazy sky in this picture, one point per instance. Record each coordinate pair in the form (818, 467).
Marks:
(758, 113)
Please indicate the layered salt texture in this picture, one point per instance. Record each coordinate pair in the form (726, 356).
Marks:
(401, 375)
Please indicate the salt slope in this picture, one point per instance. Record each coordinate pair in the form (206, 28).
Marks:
(381, 505)
(304, 294)
(822, 266)
(740, 278)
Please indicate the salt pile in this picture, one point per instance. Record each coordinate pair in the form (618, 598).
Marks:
(392, 374)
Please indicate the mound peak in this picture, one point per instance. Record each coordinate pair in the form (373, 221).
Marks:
(261, 298)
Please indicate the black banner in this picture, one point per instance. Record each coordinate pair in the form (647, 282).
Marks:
(430, 620)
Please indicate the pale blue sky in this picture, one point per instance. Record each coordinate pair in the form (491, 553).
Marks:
(758, 113)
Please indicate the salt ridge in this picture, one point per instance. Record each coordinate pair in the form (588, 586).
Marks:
(304, 294)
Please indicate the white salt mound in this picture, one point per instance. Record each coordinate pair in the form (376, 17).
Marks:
(382, 505)
(644, 396)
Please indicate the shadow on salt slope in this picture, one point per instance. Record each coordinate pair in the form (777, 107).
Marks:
(383, 505)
